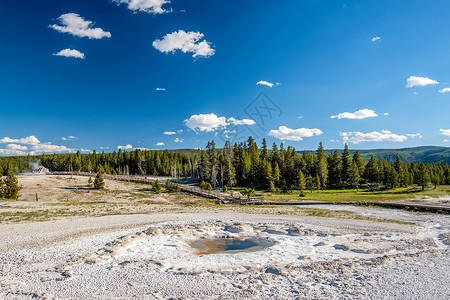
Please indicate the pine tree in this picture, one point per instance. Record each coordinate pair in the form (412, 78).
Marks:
(359, 162)
(310, 183)
(322, 165)
(354, 175)
(346, 164)
(276, 173)
(301, 181)
(89, 182)
(423, 176)
(271, 187)
(371, 171)
(334, 168)
(11, 188)
(317, 182)
(99, 183)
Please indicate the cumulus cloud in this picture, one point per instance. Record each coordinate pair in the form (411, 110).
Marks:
(374, 136)
(269, 84)
(376, 38)
(12, 152)
(444, 90)
(285, 133)
(177, 140)
(49, 148)
(419, 81)
(148, 6)
(31, 140)
(445, 132)
(17, 147)
(414, 135)
(359, 114)
(160, 144)
(127, 147)
(70, 53)
(77, 26)
(169, 132)
(205, 122)
(185, 42)
(241, 122)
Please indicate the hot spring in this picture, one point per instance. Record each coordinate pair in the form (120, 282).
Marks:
(229, 245)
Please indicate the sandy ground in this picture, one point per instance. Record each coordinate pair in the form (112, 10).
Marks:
(366, 253)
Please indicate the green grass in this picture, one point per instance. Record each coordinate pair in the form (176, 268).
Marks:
(361, 195)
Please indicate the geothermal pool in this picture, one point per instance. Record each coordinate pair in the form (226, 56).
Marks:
(229, 245)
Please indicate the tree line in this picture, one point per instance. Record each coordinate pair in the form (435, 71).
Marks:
(246, 164)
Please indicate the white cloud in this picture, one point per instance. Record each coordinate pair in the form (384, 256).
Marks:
(386, 114)
(169, 132)
(127, 147)
(445, 132)
(186, 42)
(70, 53)
(300, 117)
(31, 140)
(177, 140)
(269, 84)
(284, 133)
(205, 122)
(359, 114)
(17, 147)
(85, 150)
(414, 135)
(419, 81)
(444, 90)
(374, 39)
(49, 148)
(148, 6)
(180, 131)
(241, 122)
(374, 136)
(446, 140)
(12, 152)
(68, 138)
(160, 144)
(104, 148)
(77, 26)
(160, 89)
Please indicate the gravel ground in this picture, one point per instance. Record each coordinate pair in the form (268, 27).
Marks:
(147, 257)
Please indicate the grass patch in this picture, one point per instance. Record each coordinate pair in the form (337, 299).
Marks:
(361, 195)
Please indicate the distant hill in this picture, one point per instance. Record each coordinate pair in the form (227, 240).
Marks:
(425, 154)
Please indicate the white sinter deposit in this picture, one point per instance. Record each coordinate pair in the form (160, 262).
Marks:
(310, 258)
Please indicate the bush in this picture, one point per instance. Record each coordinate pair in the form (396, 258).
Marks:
(156, 187)
(205, 186)
(225, 189)
(170, 187)
(99, 183)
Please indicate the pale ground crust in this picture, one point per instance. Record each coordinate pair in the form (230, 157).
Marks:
(145, 253)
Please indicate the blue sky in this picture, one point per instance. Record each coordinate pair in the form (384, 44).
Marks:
(370, 73)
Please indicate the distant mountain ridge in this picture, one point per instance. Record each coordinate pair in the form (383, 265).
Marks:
(426, 154)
